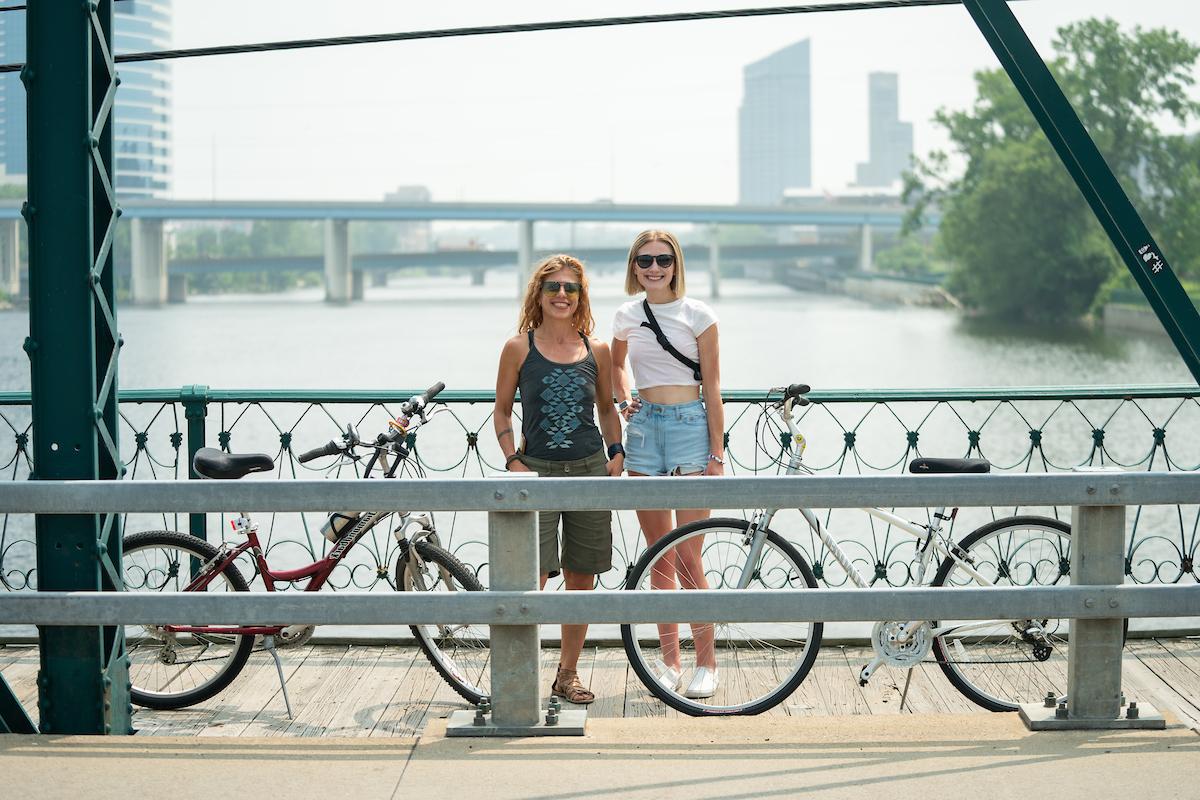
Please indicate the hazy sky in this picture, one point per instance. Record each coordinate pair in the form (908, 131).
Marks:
(638, 114)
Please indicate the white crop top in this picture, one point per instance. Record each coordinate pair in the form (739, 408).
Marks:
(682, 321)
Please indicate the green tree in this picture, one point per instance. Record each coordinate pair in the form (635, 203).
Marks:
(1021, 237)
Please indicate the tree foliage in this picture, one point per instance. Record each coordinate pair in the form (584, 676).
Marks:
(1022, 238)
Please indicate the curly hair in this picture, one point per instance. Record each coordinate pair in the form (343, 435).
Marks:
(531, 308)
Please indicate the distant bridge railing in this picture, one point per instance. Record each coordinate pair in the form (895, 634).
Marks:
(868, 432)
(514, 612)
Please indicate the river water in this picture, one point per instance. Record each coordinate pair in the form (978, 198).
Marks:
(416, 331)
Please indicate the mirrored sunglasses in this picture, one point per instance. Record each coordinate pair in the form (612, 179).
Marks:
(552, 287)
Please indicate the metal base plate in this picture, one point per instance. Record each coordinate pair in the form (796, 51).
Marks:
(570, 723)
(1039, 718)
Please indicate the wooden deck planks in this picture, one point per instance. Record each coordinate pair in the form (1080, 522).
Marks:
(391, 691)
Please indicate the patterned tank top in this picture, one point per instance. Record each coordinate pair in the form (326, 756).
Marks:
(558, 404)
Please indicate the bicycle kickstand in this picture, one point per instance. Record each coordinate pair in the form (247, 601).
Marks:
(269, 646)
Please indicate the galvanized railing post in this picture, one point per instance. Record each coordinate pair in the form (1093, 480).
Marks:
(513, 566)
(195, 408)
(1095, 646)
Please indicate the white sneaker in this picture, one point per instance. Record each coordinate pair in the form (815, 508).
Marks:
(704, 683)
(669, 678)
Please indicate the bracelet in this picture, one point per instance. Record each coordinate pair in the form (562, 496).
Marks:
(614, 448)
(511, 459)
(716, 458)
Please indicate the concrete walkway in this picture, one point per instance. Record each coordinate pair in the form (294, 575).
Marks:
(977, 756)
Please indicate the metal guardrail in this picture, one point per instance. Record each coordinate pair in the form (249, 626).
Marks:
(1096, 603)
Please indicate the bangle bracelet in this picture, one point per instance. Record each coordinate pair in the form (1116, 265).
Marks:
(511, 459)
(716, 458)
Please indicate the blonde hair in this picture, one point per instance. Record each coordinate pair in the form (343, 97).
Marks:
(531, 308)
(644, 238)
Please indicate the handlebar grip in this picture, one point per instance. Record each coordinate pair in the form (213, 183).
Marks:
(329, 449)
(433, 391)
(797, 389)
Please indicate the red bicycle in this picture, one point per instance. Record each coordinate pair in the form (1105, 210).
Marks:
(175, 666)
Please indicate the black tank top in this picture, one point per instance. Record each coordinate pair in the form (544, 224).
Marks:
(558, 404)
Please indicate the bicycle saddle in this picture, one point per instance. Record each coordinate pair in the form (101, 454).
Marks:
(932, 466)
(213, 463)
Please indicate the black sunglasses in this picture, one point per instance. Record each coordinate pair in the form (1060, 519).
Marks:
(665, 260)
(552, 287)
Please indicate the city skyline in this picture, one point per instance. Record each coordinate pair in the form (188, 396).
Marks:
(640, 114)
(775, 126)
(891, 139)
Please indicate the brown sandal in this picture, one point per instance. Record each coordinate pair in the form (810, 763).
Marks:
(567, 686)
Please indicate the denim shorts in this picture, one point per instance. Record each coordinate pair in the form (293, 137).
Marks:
(667, 439)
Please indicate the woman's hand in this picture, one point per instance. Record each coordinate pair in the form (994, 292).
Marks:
(517, 465)
(714, 468)
(616, 465)
(634, 406)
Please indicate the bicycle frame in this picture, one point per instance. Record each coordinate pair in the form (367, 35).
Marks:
(929, 542)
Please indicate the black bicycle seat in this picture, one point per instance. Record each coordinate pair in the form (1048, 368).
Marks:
(213, 463)
(934, 466)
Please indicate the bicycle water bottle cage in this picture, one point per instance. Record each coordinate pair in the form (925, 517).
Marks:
(210, 462)
(934, 466)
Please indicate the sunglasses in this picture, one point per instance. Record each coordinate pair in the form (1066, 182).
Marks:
(552, 287)
(665, 260)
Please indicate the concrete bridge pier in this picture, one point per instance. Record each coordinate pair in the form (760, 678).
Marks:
(148, 279)
(714, 260)
(866, 253)
(10, 257)
(339, 279)
(524, 254)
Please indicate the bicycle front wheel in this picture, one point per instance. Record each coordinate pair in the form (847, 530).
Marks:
(459, 653)
(758, 665)
(176, 669)
(1000, 664)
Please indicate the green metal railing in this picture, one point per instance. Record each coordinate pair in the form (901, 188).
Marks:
(847, 432)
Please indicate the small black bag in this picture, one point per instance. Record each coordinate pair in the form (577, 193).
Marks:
(653, 325)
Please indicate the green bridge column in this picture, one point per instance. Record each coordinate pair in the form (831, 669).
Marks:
(70, 80)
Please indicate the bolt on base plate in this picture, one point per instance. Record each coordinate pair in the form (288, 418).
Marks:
(1037, 717)
(570, 723)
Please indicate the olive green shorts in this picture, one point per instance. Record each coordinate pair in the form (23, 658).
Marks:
(586, 535)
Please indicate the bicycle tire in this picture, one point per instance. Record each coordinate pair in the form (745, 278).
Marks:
(759, 664)
(1013, 661)
(152, 652)
(459, 653)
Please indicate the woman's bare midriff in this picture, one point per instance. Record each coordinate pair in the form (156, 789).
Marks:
(670, 395)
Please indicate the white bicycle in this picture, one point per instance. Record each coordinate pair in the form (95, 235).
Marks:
(995, 663)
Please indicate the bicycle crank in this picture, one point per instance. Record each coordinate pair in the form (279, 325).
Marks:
(897, 644)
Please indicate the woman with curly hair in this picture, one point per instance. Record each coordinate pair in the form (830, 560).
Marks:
(565, 378)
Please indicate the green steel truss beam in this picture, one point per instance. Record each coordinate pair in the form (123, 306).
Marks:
(70, 80)
(13, 717)
(1092, 175)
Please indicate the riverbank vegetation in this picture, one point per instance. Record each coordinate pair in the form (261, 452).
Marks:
(1021, 239)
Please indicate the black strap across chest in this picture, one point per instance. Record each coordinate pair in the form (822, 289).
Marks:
(665, 343)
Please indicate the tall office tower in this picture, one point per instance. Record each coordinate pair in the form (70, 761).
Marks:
(141, 117)
(775, 126)
(891, 144)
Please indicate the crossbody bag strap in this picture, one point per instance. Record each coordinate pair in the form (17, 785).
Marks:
(665, 343)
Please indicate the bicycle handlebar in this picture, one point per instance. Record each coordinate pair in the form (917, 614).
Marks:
(797, 391)
(329, 449)
(432, 392)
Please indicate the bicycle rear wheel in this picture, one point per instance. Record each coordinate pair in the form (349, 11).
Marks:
(459, 653)
(999, 664)
(758, 664)
(175, 670)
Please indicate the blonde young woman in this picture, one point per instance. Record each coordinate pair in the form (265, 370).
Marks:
(562, 371)
(675, 425)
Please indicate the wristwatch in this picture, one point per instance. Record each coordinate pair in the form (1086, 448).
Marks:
(614, 448)
(716, 458)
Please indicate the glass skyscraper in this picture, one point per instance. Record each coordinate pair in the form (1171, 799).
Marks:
(141, 117)
(775, 126)
(891, 140)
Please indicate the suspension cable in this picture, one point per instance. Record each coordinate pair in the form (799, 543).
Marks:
(529, 27)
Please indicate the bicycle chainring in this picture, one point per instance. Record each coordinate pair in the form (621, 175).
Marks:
(886, 639)
(294, 636)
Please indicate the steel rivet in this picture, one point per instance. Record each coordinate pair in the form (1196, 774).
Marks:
(1114, 489)
(1089, 603)
(501, 611)
(523, 494)
(499, 495)
(1113, 602)
(1091, 490)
